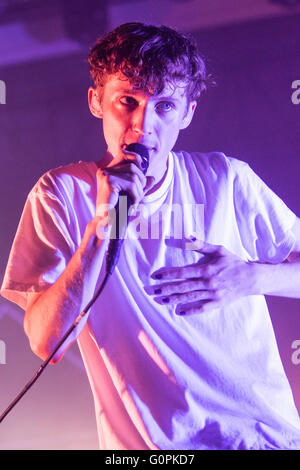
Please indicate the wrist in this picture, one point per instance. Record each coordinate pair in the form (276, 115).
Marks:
(258, 273)
(265, 275)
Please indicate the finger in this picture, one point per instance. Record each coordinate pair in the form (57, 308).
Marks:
(128, 182)
(186, 297)
(127, 156)
(126, 169)
(182, 272)
(174, 287)
(136, 157)
(197, 308)
(135, 189)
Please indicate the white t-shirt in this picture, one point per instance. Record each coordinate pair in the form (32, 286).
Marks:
(160, 380)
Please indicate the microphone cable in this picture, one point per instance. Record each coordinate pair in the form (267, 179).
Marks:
(112, 257)
(57, 347)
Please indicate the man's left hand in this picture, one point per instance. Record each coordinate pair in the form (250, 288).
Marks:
(219, 278)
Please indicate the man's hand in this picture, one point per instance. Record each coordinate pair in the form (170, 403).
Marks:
(219, 278)
(123, 173)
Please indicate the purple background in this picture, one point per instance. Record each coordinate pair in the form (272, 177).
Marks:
(46, 123)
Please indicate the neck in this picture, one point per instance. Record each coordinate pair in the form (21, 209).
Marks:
(158, 183)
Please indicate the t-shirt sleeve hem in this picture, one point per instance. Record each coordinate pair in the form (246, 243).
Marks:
(290, 239)
(19, 294)
(17, 297)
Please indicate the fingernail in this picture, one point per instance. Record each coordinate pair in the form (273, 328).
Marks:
(158, 276)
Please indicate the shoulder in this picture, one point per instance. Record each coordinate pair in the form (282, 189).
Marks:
(66, 179)
(216, 164)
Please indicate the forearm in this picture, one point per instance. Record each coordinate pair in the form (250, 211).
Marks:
(280, 279)
(49, 317)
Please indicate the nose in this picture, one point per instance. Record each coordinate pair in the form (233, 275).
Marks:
(142, 121)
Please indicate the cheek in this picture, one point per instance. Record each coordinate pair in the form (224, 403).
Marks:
(169, 133)
(113, 128)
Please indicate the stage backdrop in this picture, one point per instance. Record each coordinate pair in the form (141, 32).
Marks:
(45, 123)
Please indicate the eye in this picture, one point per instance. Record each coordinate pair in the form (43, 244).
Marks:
(128, 101)
(164, 106)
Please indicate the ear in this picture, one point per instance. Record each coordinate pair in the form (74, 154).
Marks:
(94, 103)
(187, 119)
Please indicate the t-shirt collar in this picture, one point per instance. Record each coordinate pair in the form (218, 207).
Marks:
(162, 189)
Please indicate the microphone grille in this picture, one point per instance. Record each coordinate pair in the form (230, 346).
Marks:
(141, 150)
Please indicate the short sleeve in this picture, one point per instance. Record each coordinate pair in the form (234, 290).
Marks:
(264, 221)
(42, 246)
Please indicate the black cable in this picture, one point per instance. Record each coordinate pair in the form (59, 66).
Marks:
(59, 344)
(112, 257)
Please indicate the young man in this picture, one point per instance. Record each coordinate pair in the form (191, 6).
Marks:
(179, 348)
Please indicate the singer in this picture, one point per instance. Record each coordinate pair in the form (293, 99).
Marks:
(179, 348)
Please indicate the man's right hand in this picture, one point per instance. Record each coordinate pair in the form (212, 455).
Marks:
(123, 174)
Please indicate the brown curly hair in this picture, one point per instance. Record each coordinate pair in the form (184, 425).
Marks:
(150, 57)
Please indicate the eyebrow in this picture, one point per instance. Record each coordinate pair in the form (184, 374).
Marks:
(130, 91)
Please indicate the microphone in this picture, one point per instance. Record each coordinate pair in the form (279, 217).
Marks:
(112, 258)
(115, 244)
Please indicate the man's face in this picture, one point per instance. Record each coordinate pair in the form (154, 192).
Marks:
(130, 115)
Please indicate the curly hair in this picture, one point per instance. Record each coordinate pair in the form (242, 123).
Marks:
(149, 57)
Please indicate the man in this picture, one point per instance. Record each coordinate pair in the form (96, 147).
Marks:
(179, 348)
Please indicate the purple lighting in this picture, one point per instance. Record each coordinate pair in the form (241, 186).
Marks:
(161, 373)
